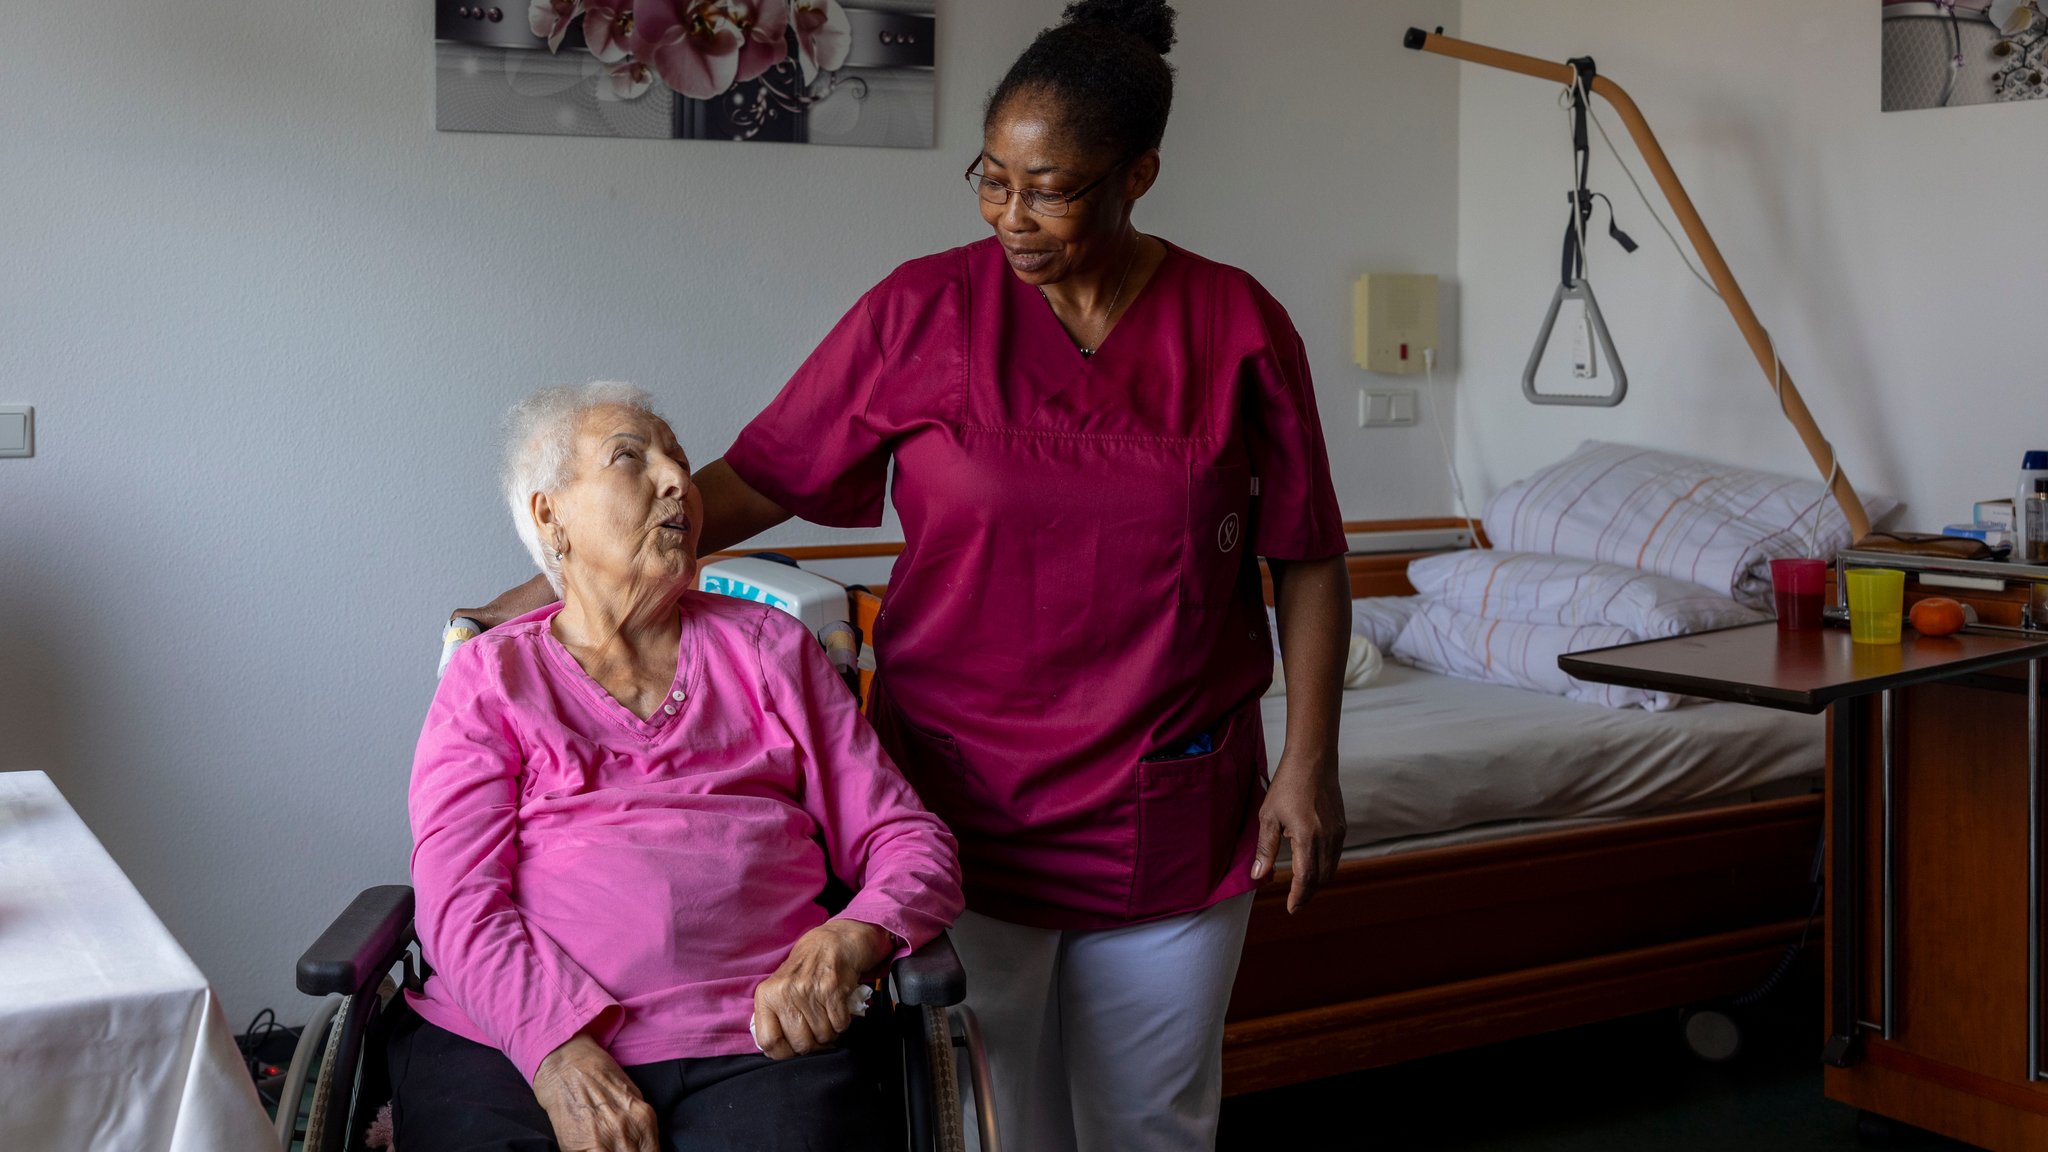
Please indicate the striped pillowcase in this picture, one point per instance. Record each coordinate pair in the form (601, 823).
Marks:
(1381, 618)
(1528, 588)
(1692, 520)
(1443, 640)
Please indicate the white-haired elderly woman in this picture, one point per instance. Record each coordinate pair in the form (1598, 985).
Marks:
(624, 810)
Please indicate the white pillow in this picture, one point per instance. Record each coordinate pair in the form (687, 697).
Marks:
(1443, 640)
(1706, 523)
(1531, 588)
(1362, 665)
(1381, 618)
(1362, 662)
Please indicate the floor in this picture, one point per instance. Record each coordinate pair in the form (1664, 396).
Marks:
(1626, 1086)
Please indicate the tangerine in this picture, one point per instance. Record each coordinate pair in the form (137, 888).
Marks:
(1938, 616)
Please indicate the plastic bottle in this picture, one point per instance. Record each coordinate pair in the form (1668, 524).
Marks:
(2030, 510)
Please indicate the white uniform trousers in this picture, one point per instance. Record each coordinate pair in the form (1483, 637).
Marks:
(1108, 1040)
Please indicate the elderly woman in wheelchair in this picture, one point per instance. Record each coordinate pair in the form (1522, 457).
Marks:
(624, 809)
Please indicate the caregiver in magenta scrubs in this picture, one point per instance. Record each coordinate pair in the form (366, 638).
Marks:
(1095, 434)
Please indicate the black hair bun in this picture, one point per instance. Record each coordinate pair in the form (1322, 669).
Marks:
(1148, 20)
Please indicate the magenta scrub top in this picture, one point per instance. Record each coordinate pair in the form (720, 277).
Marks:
(1078, 599)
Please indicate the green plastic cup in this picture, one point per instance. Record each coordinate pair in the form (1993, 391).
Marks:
(1877, 600)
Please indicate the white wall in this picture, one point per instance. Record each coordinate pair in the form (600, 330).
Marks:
(268, 317)
(1891, 254)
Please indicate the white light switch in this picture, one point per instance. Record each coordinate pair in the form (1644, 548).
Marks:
(1386, 409)
(17, 430)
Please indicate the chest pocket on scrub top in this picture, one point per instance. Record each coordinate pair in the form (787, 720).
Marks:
(1217, 532)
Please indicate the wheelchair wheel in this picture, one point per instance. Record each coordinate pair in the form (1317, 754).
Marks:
(949, 1133)
(323, 1086)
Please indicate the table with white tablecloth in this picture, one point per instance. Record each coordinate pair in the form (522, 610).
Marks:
(110, 1039)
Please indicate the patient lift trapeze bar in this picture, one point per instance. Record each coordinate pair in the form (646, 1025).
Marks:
(1759, 340)
(1574, 282)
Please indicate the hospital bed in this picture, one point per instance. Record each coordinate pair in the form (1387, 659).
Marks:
(1517, 863)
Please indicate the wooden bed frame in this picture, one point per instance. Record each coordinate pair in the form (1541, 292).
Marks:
(1435, 950)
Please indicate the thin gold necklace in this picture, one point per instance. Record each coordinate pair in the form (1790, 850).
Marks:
(1109, 315)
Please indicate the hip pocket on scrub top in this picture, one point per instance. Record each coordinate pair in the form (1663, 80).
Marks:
(1216, 534)
(1191, 816)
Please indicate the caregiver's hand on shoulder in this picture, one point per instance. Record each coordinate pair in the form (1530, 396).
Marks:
(804, 1005)
(1304, 805)
(511, 603)
(591, 1102)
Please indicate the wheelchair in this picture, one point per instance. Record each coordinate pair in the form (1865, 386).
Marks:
(365, 958)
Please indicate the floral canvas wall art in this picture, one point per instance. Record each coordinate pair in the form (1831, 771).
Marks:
(1944, 53)
(795, 71)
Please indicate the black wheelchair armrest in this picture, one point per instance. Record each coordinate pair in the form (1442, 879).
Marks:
(931, 976)
(361, 945)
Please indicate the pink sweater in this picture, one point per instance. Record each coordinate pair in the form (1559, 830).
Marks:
(576, 863)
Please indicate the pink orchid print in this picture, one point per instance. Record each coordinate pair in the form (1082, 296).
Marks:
(764, 25)
(694, 45)
(700, 48)
(608, 29)
(823, 36)
(550, 19)
(629, 80)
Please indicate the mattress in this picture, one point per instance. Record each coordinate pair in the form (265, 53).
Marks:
(1428, 760)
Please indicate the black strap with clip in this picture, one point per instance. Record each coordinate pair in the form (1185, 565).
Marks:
(1581, 201)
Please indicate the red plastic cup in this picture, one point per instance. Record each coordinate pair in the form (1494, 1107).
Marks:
(1800, 588)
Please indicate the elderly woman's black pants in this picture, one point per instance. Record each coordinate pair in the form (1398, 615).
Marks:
(453, 1095)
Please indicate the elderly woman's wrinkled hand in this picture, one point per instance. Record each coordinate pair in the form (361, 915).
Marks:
(805, 1005)
(591, 1102)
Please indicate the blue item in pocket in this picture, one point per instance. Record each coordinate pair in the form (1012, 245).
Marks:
(1201, 745)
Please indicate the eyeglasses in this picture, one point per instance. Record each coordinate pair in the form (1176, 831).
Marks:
(1037, 201)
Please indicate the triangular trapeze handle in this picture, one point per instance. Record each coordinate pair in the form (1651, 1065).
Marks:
(1582, 291)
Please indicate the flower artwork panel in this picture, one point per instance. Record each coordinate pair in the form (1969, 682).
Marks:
(1945, 53)
(794, 71)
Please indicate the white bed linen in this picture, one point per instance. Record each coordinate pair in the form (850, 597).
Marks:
(1441, 639)
(1423, 755)
(1538, 588)
(1694, 520)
